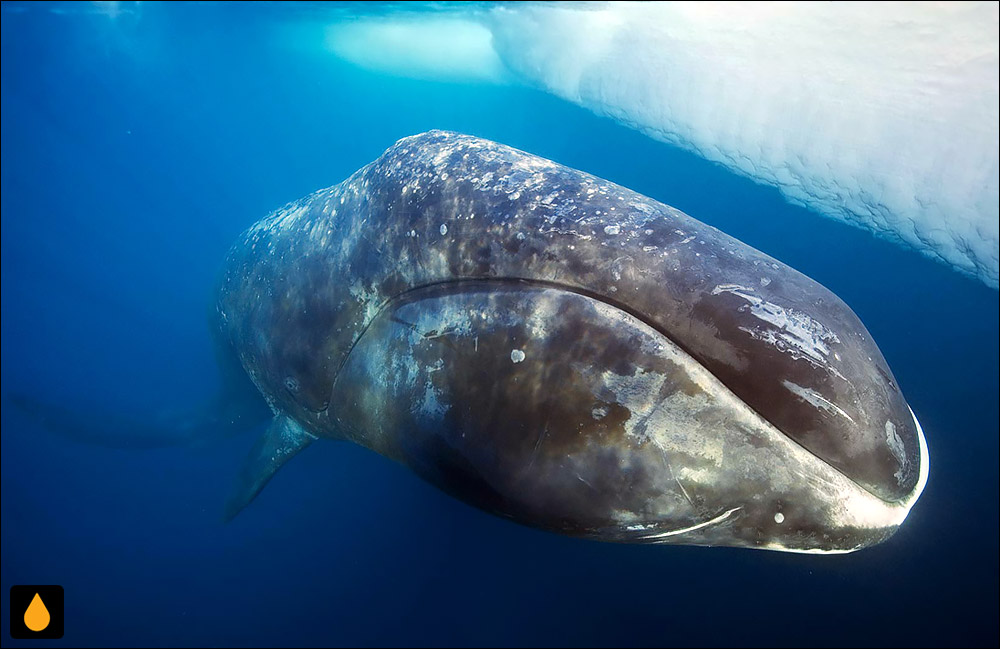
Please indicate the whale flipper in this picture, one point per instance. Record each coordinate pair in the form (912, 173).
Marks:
(282, 440)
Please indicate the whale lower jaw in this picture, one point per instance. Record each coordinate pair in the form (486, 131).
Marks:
(724, 474)
(891, 515)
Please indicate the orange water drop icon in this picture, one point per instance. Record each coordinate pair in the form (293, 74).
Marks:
(37, 616)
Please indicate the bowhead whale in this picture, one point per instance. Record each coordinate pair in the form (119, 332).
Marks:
(564, 352)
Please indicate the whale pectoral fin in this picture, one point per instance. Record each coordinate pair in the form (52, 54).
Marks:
(282, 440)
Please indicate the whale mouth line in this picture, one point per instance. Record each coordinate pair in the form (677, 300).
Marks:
(450, 285)
(661, 537)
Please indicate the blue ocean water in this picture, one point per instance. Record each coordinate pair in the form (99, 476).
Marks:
(136, 146)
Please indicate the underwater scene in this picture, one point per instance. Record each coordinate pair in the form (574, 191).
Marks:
(500, 324)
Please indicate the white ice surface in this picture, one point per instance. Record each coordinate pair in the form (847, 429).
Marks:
(440, 48)
(884, 115)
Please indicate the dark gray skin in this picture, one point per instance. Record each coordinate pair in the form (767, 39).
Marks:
(562, 351)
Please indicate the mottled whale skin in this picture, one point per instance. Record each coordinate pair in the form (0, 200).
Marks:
(564, 352)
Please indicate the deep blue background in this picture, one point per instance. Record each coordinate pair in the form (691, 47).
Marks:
(136, 148)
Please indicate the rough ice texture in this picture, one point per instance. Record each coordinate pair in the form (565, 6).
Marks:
(878, 114)
(884, 115)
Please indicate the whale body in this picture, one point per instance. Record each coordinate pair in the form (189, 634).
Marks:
(564, 352)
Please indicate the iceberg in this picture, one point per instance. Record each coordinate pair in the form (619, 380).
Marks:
(882, 115)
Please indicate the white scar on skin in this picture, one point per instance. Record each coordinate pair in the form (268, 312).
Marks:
(803, 337)
(816, 399)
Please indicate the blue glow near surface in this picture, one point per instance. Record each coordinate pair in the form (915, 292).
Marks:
(138, 141)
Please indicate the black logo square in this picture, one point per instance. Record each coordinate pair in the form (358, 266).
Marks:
(36, 612)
